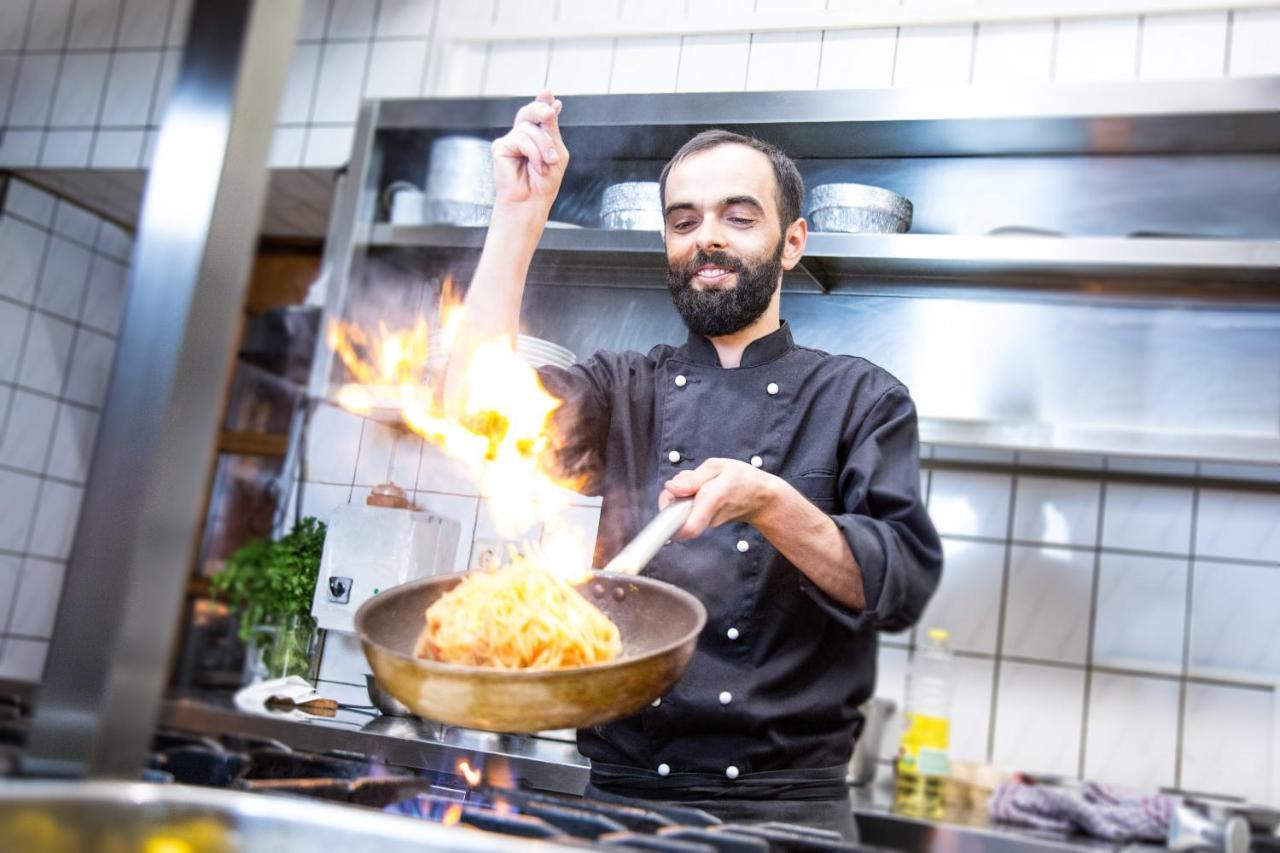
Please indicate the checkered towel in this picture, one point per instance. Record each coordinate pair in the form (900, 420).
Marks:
(1093, 809)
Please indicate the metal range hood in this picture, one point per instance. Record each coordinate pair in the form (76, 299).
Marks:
(1091, 269)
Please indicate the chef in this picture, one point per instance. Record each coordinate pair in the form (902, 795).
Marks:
(808, 533)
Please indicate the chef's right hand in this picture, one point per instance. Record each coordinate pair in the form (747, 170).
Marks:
(529, 162)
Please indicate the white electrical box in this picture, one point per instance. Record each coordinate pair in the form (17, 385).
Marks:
(368, 549)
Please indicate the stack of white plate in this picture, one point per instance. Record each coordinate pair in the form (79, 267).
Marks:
(536, 352)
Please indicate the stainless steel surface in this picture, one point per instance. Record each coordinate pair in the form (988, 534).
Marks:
(384, 701)
(1183, 116)
(459, 185)
(658, 624)
(857, 209)
(110, 653)
(866, 752)
(631, 206)
(649, 541)
(44, 817)
(541, 763)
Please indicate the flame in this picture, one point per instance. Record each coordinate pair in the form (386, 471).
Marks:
(497, 422)
(502, 808)
(471, 774)
(452, 815)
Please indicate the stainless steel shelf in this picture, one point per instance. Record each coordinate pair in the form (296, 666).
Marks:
(835, 257)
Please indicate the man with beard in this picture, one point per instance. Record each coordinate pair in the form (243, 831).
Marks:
(807, 535)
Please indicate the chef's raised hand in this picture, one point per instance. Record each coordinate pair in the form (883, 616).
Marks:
(529, 161)
(723, 490)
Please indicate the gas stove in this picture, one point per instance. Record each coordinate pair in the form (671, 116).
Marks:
(465, 788)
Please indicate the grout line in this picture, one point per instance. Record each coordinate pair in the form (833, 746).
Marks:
(315, 85)
(1186, 642)
(1137, 53)
(106, 85)
(57, 83)
(893, 63)
(973, 53)
(1230, 35)
(1053, 53)
(1089, 637)
(1000, 618)
(428, 61)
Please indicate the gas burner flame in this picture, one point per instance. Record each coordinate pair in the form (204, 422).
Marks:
(471, 774)
(452, 815)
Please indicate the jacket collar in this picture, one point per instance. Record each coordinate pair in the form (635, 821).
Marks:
(700, 350)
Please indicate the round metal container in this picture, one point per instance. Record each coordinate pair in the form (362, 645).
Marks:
(459, 188)
(857, 209)
(631, 206)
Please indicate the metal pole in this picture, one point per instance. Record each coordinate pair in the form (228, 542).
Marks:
(110, 654)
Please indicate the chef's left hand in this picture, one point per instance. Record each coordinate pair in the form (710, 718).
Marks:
(723, 490)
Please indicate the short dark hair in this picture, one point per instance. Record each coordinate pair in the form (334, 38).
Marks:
(785, 173)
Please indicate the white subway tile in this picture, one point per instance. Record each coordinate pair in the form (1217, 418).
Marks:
(315, 17)
(581, 67)
(1016, 52)
(21, 254)
(720, 9)
(295, 103)
(72, 444)
(642, 65)
(22, 660)
(33, 95)
(438, 473)
(457, 508)
(784, 61)
(858, 59)
(1142, 465)
(1147, 518)
(1047, 614)
(1060, 512)
(464, 70)
(319, 500)
(90, 368)
(328, 146)
(75, 222)
(402, 18)
(351, 19)
(1254, 36)
(1038, 714)
(1141, 616)
(8, 78)
(9, 570)
(583, 11)
(179, 19)
(342, 72)
(13, 326)
(1238, 524)
(29, 202)
(148, 149)
(472, 14)
(67, 149)
(142, 23)
(1235, 471)
(517, 68)
(967, 504)
(650, 12)
(17, 508)
(47, 28)
(20, 148)
(967, 601)
(1095, 49)
(66, 270)
(164, 89)
(133, 79)
(38, 595)
(406, 456)
(1234, 630)
(47, 353)
(104, 302)
(286, 148)
(114, 242)
(1226, 742)
(332, 445)
(373, 463)
(13, 23)
(1132, 735)
(971, 709)
(510, 13)
(93, 25)
(79, 90)
(395, 69)
(26, 437)
(117, 149)
(956, 453)
(1065, 461)
(1183, 46)
(934, 55)
(714, 63)
(892, 665)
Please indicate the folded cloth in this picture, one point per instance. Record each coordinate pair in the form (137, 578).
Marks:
(1101, 811)
(253, 699)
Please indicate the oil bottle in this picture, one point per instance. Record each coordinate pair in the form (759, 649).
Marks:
(920, 783)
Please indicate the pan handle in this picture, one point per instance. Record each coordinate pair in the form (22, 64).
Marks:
(639, 551)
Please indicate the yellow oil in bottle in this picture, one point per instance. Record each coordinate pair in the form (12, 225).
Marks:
(920, 785)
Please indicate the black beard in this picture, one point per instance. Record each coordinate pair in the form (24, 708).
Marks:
(716, 312)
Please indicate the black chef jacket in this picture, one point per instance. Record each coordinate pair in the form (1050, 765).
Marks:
(781, 667)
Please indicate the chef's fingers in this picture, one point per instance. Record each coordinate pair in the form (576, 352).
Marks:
(518, 144)
(550, 151)
(689, 482)
(535, 112)
(665, 499)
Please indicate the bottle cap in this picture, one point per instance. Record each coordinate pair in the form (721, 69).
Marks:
(938, 635)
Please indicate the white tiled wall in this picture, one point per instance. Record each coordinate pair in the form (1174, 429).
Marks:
(61, 297)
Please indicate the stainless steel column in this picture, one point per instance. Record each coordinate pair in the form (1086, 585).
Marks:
(109, 658)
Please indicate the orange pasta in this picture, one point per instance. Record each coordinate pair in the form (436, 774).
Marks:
(521, 616)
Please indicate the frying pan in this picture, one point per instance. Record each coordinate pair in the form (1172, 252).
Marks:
(659, 626)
